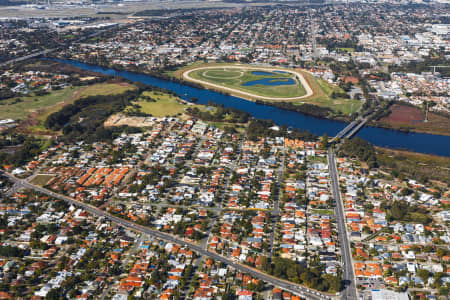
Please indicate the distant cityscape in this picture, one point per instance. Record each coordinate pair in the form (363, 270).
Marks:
(225, 150)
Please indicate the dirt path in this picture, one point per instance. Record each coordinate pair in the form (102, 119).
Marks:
(309, 91)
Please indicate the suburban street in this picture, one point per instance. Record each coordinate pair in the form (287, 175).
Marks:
(276, 209)
(288, 286)
(349, 291)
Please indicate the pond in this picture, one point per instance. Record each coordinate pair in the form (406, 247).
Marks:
(270, 81)
(262, 73)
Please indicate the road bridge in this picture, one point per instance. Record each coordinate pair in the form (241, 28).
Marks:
(351, 129)
(32, 55)
(344, 131)
(356, 128)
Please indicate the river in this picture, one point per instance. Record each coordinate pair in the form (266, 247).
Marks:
(417, 142)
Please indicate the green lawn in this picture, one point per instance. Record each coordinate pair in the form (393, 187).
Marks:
(52, 102)
(106, 89)
(222, 125)
(327, 89)
(38, 108)
(21, 110)
(322, 90)
(165, 105)
(41, 179)
(347, 49)
(237, 78)
(322, 96)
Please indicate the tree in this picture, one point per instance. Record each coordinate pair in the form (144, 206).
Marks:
(291, 273)
(424, 274)
(334, 282)
(54, 294)
(441, 252)
(361, 149)
(399, 209)
(265, 264)
(324, 141)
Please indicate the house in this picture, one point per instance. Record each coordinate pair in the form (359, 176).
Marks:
(383, 294)
(244, 295)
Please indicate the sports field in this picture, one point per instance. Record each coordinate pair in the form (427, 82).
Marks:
(231, 78)
(253, 82)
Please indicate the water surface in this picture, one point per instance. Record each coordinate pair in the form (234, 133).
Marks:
(270, 81)
(262, 73)
(418, 142)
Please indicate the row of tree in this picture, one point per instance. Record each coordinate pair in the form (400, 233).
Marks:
(260, 128)
(312, 276)
(220, 114)
(306, 108)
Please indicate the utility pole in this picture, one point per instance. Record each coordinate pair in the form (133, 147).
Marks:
(434, 68)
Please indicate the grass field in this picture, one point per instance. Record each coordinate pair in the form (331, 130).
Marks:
(347, 49)
(106, 89)
(41, 179)
(92, 90)
(165, 105)
(257, 82)
(21, 110)
(52, 102)
(322, 96)
(35, 109)
(321, 90)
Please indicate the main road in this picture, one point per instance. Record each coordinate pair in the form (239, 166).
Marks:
(32, 55)
(47, 51)
(286, 285)
(348, 276)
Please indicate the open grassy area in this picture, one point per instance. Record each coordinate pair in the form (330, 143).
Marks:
(347, 49)
(321, 89)
(165, 104)
(41, 179)
(46, 104)
(258, 82)
(322, 96)
(33, 110)
(106, 89)
(91, 90)
(21, 110)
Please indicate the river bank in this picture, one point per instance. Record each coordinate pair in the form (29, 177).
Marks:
(408, 118)
(309, 106)
(416, 142)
